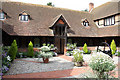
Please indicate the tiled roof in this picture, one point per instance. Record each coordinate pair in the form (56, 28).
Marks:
(42, 17)
(105, 10)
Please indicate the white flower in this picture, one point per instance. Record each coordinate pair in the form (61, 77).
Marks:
(100, 60)
(8, 58)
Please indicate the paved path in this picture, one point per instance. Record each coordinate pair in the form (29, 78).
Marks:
(59, 67)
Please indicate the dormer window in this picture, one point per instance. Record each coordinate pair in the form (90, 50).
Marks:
(24, 17)
(85, 23)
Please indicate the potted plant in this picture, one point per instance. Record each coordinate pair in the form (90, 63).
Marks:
(46, 56)
(78, 58)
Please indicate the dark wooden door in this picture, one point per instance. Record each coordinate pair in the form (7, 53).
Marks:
(60, 44)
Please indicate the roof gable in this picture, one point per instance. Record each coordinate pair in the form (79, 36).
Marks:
(60, 19)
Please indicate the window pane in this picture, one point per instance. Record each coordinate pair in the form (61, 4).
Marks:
(22, 18)
(1, 15)
(107, 21)
(26, 18)
(113, 20)
(86, 24)
(110, 21)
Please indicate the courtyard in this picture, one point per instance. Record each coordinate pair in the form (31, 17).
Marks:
(58, 67)
(44, 41)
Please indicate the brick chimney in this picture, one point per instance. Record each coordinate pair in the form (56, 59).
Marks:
(91, 6)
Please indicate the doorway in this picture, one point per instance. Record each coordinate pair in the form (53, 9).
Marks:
(60, 44)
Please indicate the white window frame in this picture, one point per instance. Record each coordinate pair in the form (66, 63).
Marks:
(24, 18)
(109, 21)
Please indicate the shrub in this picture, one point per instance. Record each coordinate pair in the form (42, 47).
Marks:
(69, 53)
(85, 48)
(13, 50)
(117, 53)
(36, 54)
(78, 57)
(101, 64)
(45, 48)
(69, 40)
(71, 46)
(30, 49)
(113, 47)
(44, 44)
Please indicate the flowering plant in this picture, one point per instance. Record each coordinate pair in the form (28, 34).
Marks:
(46, 54)
(75, 51)
(6, 61)
(45, 48)
(101, 63)
(77, 55)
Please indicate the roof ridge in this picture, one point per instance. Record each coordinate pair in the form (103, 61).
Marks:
(31, 4)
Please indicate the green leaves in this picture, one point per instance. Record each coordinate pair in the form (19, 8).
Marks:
(13, 50)
(78, 57)
(113, 46)
(85, 48)
(101, 63)
(30, 49)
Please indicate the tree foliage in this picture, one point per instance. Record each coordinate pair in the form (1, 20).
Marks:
(13, 50)
(50, 4)
(86, 10)
(113, 46)
(85, 49)
(30, 49)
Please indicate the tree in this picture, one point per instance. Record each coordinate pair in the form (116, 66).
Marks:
(86, 10)
(50, 4)
(113, 46)
(13, 50)
(85, 48)
(30, 49)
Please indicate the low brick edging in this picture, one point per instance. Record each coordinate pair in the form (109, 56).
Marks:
(50, 74)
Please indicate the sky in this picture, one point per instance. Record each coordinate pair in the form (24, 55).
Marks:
(70, 4)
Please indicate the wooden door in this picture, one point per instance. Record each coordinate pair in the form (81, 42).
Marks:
(60, 44)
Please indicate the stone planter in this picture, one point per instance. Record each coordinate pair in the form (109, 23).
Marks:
(78, 64)
(45, 60)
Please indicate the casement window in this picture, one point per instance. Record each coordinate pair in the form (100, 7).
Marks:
(2, 16)
(24, 18)
(109, 21)
(86, 23)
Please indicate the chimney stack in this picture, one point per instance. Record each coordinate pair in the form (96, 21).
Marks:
(91, 6)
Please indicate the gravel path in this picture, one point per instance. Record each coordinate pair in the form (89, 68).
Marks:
(56, 63)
